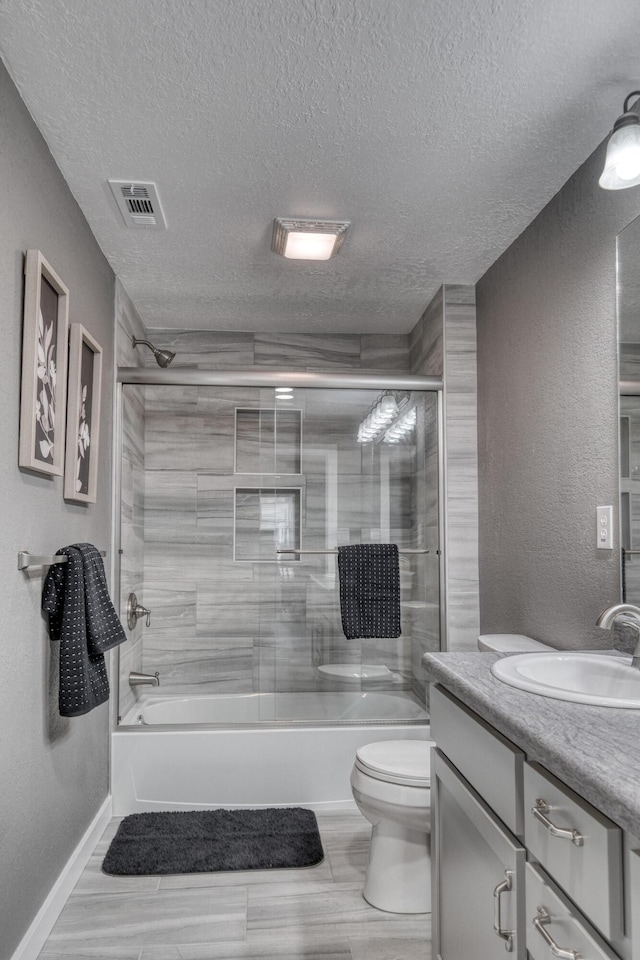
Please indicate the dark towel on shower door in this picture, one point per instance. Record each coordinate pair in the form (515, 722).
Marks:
(369, 575)
(83, 621)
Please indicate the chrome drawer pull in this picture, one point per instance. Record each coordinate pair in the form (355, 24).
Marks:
(539, 923)
(540, 809)
(506, 935)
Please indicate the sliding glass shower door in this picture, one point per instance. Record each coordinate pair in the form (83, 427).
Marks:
(234, 500)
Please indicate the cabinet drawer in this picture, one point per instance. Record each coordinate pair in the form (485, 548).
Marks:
(490, 762)
(556, 917)
(589, 866)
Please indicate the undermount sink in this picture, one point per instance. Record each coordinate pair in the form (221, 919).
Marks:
(579, 677)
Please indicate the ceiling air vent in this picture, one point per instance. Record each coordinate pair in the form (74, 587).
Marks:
(139, 204)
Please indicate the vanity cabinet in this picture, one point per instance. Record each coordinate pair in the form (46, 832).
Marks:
(480, 889)
(520, 862)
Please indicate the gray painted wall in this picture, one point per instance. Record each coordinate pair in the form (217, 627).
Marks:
(53, 771)
(547, 412)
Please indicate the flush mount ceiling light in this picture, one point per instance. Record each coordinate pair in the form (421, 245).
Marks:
(622, 163)
(308, 239)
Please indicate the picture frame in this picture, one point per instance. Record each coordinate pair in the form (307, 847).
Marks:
(43, 390)
(83, 416)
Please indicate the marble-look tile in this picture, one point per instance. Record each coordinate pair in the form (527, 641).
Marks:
(201, 916)
(368, 948)
(133, 419)
(306, 350)
(184, 661)
(94, 880)
(426, 340)
(321, 873)
(161, 916)
(268, 441)
(129, 659)
(273, 916)
(170, 498)
(209, 561)
(88, 951)
(318, 947)
(170, 399)
(219, 612)
(209, 349)
(349, 862)
(462, 472)
(128, 325)
(213, 504)
(174, 442)
(173, 608)
(212, 535)
(214, 400)
(384, 352)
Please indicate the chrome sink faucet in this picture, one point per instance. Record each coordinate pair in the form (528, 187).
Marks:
(628, 615)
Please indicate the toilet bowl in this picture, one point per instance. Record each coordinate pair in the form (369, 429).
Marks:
(353, 675)
(391, 786)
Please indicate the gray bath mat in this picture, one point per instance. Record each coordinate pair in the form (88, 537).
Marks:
(204, 841)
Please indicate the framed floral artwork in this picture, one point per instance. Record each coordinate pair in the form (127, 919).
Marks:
(83, 416)
(43, 391)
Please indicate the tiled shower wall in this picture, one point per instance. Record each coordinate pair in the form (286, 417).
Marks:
(128, 324)
(211, 350)
(203, 500)
(443, 344)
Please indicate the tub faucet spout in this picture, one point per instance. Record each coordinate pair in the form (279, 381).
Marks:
(628, 615)
(138, 679)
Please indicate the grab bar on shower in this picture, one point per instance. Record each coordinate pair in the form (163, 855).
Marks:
(292, 550)
(26, 559)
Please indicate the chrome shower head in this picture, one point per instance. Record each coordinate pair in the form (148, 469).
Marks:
(163, 357)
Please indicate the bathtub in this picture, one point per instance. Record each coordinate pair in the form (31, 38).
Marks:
(184, 753)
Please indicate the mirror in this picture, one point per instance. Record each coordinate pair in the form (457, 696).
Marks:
(628, 280)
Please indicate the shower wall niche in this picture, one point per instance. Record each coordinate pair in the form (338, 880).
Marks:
(216, 480)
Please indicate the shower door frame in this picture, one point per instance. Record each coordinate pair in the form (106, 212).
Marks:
(182, 377)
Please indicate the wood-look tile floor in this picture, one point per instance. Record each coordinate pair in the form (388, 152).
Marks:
(315, 913)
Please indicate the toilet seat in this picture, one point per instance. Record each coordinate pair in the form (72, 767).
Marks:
(405, 762)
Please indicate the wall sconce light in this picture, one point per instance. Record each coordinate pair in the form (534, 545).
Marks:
(308, 239)
(622, 163)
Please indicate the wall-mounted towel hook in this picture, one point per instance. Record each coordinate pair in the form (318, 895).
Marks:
(26, 559)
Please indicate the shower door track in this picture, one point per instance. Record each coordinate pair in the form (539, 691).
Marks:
(182, 377)
(352, 380)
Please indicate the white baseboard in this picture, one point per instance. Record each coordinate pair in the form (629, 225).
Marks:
(43, 923)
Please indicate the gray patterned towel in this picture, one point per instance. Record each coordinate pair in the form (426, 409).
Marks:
(84, 622)
(369, 575)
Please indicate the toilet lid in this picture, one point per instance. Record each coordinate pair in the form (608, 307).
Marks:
(397, 761)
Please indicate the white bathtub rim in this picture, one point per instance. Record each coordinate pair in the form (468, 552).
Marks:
(152, 700)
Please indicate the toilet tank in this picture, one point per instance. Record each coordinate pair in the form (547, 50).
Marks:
(510, 643)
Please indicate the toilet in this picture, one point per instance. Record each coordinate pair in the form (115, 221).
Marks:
(510, 643)
(391, 785)
(353, 675)
(390, 781)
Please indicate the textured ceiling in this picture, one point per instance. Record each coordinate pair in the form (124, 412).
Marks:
(438, 127)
